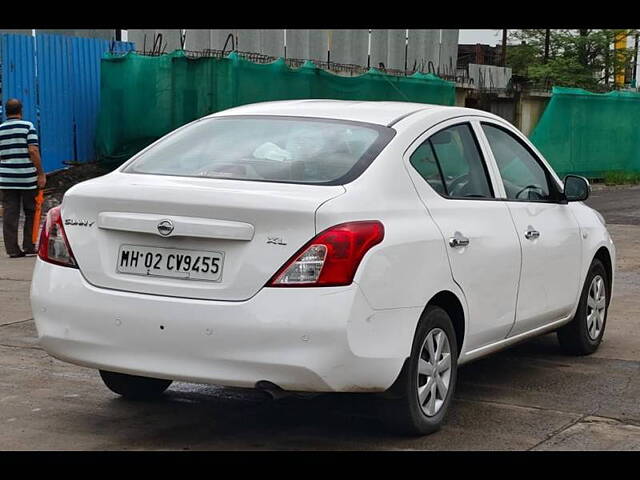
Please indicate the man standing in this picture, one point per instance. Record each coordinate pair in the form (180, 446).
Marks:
(21, 175)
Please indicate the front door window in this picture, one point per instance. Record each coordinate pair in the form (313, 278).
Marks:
(523, 177)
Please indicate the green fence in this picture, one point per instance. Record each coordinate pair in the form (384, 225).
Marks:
(145, 97)
(589, 133)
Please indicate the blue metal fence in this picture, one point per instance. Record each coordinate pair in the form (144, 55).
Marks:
(55, 100)
(18, 79)
(57, 78)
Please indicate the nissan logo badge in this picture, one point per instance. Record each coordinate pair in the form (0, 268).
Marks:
(165, 227)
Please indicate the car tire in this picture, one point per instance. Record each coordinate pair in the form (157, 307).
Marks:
(413, 409)
(582, 336)
(134, 387)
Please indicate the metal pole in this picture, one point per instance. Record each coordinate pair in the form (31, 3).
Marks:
(504, 47)
(406, 49)
(439, 50)
(369, 50)
(635, 62)
(547, 38)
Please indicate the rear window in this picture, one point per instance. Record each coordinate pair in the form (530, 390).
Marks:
(273, 149)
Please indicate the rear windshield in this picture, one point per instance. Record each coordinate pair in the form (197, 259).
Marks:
(276, 149)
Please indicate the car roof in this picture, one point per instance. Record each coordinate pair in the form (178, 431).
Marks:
(378, 112)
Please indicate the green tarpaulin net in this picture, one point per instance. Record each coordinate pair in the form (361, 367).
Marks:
(590, 134)
(145, 97)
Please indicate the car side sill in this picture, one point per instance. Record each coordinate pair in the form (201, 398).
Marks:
(507, 342)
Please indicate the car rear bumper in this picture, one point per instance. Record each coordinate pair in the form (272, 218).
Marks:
(301, 339)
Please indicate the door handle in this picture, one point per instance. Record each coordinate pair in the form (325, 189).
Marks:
(458, 240)
(531, 234)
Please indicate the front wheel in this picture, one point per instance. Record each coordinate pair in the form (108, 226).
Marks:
(582, 336)
(133, 386)
(426, 384)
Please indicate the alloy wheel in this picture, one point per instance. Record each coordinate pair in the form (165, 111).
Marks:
(596, 307)
(434, 371)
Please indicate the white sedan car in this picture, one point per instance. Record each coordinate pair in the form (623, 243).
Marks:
(322, 246)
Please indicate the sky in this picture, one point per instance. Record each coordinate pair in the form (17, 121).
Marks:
(489, 37)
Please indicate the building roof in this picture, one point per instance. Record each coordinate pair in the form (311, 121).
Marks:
(382, 113)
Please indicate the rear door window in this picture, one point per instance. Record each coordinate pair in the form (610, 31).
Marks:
(450, 161)
(424, 161)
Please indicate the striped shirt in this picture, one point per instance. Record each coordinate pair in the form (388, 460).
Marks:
(16, 169)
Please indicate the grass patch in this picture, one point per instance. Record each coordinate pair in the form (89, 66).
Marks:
(621, 178)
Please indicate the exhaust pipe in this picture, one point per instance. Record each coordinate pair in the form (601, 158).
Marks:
(278, 393)
(272, 389)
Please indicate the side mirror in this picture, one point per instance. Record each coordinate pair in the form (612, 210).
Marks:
(576, 188)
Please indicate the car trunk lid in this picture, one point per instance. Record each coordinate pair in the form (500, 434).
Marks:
(252, 227)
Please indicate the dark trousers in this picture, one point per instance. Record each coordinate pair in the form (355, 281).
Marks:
(11, 201)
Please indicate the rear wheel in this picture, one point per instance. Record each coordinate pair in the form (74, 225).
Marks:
(426, 384)
(133, 386)
(582, 336)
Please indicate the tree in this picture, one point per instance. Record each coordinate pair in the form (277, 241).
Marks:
(577, 58)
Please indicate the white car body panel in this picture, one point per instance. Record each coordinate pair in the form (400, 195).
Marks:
(595, 236)
(274, 210)
(489, 228)
(331, 341)
(548, 287)
(412, 249)
(349, 338)
(380, 113)
(549, 283)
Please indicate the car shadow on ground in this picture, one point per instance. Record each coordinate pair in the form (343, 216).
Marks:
(200, 416)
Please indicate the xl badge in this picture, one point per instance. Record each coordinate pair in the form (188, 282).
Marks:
(276, 240)
(165, 227)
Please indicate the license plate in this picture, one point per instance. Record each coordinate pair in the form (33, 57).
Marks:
(170, 262)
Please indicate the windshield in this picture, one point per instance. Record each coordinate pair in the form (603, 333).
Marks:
(277, 149)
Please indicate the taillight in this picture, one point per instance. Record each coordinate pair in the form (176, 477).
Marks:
(331, 258)
(53, 246)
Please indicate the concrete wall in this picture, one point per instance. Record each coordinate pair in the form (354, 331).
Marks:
(423, 50)
(523, 110)
(489, 76)
(307, 44)
(396, 48)
(197, 39)
(144, 39)
(379, 47)
(449, 52)
(265, 41)
(272, 42)
(347, 46)
(433, 51)
(461, 96)
(531, 108)
(390, 47)
(505, 107)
